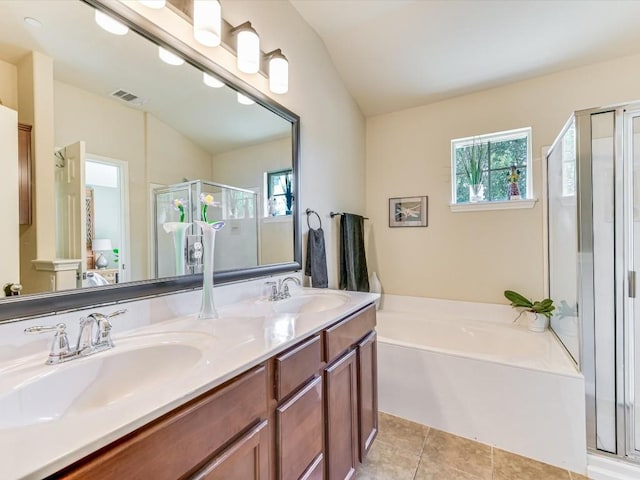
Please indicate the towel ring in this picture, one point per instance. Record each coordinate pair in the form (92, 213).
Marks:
(310, 212)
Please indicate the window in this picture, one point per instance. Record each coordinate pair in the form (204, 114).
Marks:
(486, 161)
(279, 193)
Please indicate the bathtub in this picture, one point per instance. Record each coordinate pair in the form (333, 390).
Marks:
(469, 370)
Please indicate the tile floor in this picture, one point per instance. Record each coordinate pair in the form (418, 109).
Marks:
(405, 450)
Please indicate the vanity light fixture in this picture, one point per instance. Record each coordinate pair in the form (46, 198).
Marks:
(207, 22)
(169, 57)
(244, 100)
(110, 24)
(247, 48)
(157, 4)
(278, 72)
(211, 81)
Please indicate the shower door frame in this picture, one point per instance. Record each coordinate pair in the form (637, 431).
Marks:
(632, 449)
(621, 366)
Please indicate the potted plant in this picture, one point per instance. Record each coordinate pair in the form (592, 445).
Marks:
(473, 160)
(539, 312)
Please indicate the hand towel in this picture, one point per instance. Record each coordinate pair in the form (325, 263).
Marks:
(353, 263)
(316, 263)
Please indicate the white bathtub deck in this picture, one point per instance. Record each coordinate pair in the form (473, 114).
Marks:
(513, 399)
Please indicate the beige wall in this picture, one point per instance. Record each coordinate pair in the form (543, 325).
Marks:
(35, 107)
(8, 85)
(332, 127)
(473, 256)
(173, 157)
(9, 240)
(245, 167)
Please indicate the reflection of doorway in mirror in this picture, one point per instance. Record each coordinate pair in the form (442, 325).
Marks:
(107, 180)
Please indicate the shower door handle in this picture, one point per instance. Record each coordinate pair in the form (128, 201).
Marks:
(631, 277)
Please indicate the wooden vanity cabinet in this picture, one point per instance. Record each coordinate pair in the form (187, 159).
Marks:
(351, 406)
(308, 413)
(220, 432)
(367, 360)
(246, 459)
(299, 413)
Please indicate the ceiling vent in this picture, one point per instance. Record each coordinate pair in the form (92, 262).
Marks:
(128, 97)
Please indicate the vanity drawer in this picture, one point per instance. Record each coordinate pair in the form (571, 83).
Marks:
(338, 338)
(296, 366)
(172, 446)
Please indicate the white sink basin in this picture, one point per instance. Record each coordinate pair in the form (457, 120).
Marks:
(45, 393)
(310, 302)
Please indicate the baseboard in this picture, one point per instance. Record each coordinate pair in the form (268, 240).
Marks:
(604, 468)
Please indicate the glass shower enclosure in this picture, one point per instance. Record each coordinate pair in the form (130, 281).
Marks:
(237, 244)
(594, 250)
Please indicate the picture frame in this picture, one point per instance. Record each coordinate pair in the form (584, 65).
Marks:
(408, 211)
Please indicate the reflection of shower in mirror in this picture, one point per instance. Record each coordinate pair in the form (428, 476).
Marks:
(237, 246)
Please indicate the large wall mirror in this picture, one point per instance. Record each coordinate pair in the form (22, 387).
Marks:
(124, 147)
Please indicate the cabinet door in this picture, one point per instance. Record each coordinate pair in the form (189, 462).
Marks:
(341, 419)
(367, 392)
(299, 423)
(246, 459)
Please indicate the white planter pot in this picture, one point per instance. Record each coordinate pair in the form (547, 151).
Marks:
(537, 322)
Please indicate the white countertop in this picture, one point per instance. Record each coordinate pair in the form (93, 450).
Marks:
(237, 341)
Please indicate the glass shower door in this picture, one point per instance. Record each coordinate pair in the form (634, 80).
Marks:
(632, 147)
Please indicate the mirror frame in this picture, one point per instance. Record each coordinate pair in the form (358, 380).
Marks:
(33, 305)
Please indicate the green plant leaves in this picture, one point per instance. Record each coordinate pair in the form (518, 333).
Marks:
(543, 307)
(517, 300)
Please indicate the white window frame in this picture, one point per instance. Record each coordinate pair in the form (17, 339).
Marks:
(527, 202)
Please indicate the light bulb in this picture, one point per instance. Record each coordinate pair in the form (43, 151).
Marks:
(278, 73)
(111, 25)
(207, 22)
(169, 57)
(158, 4)
(248, 48)
(211, 81)
(244, 100)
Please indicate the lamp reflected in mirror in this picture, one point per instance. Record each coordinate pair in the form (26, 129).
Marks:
(101, 245)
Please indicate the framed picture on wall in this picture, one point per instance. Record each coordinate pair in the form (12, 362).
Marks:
(408, 212)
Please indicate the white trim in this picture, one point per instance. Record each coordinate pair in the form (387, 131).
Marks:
(483, 206)
(604, 468)
(57, 264)
(124, 255)
(545, 219)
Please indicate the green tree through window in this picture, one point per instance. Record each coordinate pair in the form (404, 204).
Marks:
(499, 152)
(280, 192)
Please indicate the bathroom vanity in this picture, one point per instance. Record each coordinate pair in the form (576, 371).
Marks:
(276, 395)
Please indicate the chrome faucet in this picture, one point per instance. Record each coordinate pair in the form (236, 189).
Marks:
(94, 337)
(283, 288)
(280, 290)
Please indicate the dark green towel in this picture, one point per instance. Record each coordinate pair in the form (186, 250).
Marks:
(353, 263)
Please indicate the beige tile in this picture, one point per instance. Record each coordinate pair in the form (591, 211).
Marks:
(509, 466)
(385, 462)
(400, 433)
(466, 456)
(428, 470)
(577, 476)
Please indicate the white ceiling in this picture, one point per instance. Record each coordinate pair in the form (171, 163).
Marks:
(396, 54)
